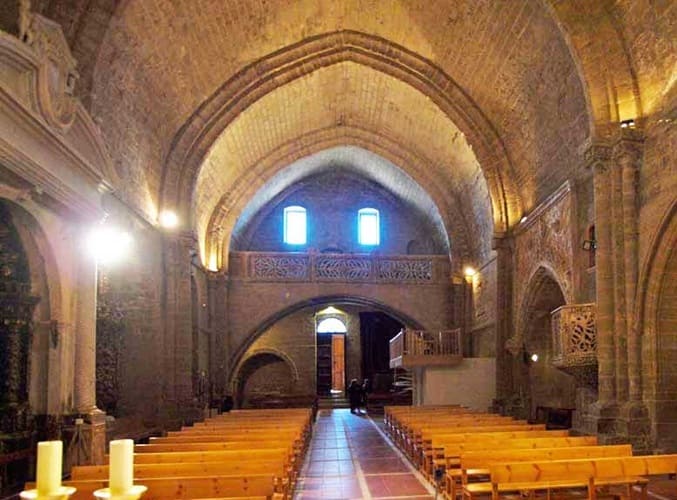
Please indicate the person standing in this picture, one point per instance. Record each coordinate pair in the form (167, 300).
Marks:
(354, 395)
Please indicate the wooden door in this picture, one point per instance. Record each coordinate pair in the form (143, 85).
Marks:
(324, 367)
(338, 363)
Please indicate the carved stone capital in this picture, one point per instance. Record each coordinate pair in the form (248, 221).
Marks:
(597, 157)
(627, 151)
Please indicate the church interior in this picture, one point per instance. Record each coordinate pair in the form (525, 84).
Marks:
(218, 204)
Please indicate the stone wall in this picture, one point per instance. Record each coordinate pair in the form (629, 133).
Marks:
(483, 323)
(290, 350)
(332, 201)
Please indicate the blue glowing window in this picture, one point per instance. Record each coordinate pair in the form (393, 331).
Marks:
(295, 225)
(368, 226)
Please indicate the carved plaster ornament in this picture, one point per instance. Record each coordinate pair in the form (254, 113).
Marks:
(56, 82)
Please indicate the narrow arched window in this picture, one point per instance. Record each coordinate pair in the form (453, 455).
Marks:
(368, 228)
(295, 225)
(331, 325)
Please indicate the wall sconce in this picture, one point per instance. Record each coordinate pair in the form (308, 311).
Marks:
(628, 123)
(589, 245)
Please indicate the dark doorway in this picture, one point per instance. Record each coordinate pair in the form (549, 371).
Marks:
(376, 330)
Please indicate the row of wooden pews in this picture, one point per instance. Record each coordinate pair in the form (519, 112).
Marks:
(240, 454)
(480, 455)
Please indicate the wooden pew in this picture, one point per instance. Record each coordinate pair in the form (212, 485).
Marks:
(275, 466)
(235, 486)
(423, 440)
(588, 474)
(434, 449)
(452, 451)
(476, 464)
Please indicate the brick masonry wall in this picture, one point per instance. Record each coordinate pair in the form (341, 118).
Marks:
(332, 201)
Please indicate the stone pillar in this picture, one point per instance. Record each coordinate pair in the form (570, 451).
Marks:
(84, 385)
(634, 422)
(178, 384)
(217, 293)
(504, 327)
(618, 287)
(627, 156)
(598, 158)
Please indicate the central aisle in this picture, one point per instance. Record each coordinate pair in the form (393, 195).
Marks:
(349, 457)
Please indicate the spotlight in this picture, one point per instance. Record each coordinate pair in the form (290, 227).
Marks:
(534, 357)
(523, 219)
(168, 219)
(108, 244)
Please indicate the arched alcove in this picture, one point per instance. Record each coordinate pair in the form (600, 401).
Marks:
(263, 377)
(657, 326)
(539, 383)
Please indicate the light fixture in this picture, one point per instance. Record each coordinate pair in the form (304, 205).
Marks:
(589, 245)
(534, 358)
(108, 244)
(168, 219)
(523, 219)
(469, 272)
(628, 123)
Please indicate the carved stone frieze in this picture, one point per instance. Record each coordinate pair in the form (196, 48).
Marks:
(338, 267)
(277, 267)
(405, 270)
(546, 242)
(343, 269)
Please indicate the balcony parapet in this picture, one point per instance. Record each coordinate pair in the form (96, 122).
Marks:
(574, 340)
(418, 348)
(336, 267)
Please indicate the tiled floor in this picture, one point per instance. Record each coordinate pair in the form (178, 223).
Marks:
(350, 458)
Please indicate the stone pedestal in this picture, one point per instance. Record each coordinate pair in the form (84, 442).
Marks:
(635, 425)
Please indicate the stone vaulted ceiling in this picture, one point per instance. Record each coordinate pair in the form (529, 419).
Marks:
(445, 90)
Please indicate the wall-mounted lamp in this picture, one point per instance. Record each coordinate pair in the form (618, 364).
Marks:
(628, 123)
(469, 273)
(523, 219)
(108, 244)
(534, 358)
(589, 245)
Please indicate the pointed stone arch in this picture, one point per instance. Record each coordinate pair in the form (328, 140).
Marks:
(199, 133)
(657, 328)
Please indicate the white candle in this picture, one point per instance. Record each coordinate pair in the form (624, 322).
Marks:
(121, 467)
(48, 476)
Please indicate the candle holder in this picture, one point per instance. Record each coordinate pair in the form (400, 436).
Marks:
(61, 493)
(132, 493)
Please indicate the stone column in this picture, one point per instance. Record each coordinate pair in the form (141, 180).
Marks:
(618, 258)
(598, 158)
(504, 327)
(84, 385)
(634, 422)
(627, 156)
(217, 293)
(178, 248)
